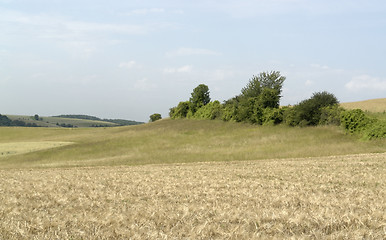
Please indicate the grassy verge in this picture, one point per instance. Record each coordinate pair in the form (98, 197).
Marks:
(181, 141)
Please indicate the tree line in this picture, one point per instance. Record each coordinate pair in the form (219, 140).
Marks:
(5, 121)
(120, 122)
(259, 103)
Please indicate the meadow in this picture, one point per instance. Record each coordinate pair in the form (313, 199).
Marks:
(191, 179)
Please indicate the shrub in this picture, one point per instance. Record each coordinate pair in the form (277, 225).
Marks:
(154, 117)
(354, 120)
(309, 111)
(272, 116)
(180, 111)
(212, 110)
(375, 130)
(330, 115)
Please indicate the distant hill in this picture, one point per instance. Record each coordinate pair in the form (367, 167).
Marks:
(121, 122)
(59, 122)
(373, 105)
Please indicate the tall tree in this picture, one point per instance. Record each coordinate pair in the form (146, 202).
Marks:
(200, 97)
(270, 80)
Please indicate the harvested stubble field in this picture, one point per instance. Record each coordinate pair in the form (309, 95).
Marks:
(341, 197)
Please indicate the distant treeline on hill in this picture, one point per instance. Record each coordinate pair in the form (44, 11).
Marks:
(5, 121)
(121, 122)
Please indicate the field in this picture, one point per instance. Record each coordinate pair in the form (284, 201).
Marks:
(373, 105)
(178, 141)
(191, 179)
(342, 197)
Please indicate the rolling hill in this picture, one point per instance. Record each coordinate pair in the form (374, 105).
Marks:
(179, 141)
(373, 105)
(62, 122)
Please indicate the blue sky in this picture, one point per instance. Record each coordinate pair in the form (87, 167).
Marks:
(129, 59)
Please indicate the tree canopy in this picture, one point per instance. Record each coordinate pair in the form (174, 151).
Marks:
(200, 97)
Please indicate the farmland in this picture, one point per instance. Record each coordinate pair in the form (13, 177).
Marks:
(191, 179)
(341, 197)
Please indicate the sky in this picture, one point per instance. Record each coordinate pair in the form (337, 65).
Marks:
(129, 59)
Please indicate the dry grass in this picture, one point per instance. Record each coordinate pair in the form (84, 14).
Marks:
(13, 148)
(342, 197)
(374, 105)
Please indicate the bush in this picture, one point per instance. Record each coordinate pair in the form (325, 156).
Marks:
(354, 120)
(272, 116)
(330, 115)
(309, 111)
(180, 111)
(212, 110)
(375, 130)
(154, 117)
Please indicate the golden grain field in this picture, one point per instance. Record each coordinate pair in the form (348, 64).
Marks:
(373, 105)
(341, 197)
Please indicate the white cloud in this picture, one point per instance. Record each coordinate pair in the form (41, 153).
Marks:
(190, 52)
(323, 67)
(183, 69)
(144, 85)
(308, 83)
(128, 65)
(145, 11)
(366, 82)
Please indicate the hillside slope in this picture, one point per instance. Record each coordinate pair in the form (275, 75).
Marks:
(179, 141)
(373, 105)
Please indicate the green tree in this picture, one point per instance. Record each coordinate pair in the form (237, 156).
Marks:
(36, 117)
(200, 97)
(5, 121)
(309, 111)
(154, 117)
(180, 111)
(271, 80)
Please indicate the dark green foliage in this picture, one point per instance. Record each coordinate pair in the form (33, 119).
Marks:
(67, 125)
(200, 97)
(97, 125)
(154, 117)
(309, 111)
(5, 121)
(79, 116)
(18, 123)
(36, 117)
(330, 115)
(121, 122)
(180, 111)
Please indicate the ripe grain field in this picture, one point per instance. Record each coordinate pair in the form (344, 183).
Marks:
(338, 197)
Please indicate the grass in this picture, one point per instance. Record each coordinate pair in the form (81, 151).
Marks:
(341, 197)
(14, 148)
(180, 141)
(227, 181)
